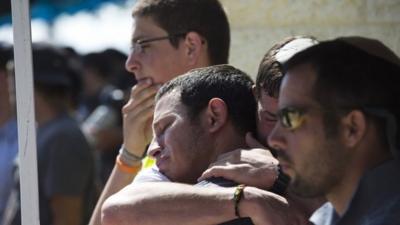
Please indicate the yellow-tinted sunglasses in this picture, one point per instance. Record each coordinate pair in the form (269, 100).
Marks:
(291, 117)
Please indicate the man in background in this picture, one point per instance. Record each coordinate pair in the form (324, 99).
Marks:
(338, 135)
(65, 160)
(8, 130)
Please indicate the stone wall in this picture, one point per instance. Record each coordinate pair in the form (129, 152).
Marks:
(258, 24)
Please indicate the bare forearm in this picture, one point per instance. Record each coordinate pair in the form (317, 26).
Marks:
(169, 203)
(115, 183)
(172, 203)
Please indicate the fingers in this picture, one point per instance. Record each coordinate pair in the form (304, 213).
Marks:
(141, 92)
(137, 127)
(141, 114)
(252, 142)
(217, 171)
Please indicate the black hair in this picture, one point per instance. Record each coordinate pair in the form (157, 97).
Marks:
(56, 75)
(234, 87)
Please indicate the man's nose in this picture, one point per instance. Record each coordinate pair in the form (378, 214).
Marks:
(276, 139)
(132, 63)
(154, 148)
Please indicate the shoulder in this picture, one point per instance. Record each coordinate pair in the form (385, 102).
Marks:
(151, 174)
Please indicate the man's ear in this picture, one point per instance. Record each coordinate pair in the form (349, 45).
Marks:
(354, 126)
(254, 90)
(216, 114)
(193, 46)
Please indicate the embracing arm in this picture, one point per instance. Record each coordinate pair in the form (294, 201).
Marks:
(116, 182)
(173, 203)
(254, 167)
(168, 203)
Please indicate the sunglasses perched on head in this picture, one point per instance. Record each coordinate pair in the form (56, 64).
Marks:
(291, 117)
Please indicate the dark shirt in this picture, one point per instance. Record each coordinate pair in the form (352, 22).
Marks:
(65, 165)
(376, 201)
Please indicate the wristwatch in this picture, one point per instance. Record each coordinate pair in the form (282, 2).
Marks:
(281, 183)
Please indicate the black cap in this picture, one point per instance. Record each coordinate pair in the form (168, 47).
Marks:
(51, 66)
(372, 47)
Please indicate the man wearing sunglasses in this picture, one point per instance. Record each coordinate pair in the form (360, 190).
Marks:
(338, 130)
(168, 39)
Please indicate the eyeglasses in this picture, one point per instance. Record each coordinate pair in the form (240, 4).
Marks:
(138, 46)
(291, 117)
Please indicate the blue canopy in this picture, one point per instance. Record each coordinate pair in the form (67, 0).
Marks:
(48, 10)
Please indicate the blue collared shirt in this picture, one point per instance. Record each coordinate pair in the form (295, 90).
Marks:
(8, 153)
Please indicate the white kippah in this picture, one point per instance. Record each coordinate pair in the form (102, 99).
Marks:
(293, 47)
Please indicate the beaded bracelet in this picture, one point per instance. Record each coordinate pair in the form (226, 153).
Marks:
(237, 196)
(129, 158)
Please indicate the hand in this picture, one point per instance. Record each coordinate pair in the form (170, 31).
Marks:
(138, 117)
(255, 167)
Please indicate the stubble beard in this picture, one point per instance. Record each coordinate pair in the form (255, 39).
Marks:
(322, 173)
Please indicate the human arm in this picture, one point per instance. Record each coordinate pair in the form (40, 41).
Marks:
(246, 166)
(137, 118)
(173, 203)
(117, 180)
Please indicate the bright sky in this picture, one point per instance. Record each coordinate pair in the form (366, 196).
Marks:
(110, 26)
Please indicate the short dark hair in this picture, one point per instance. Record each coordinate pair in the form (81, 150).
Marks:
(270, 72)
(234, 87)
(55, 75)
(206, 17)
(352, 76)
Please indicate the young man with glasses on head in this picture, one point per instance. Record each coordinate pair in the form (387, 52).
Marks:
(169, 37)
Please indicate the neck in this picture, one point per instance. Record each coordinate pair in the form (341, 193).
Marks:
(43, 111)
(229, 140)
(203, 60)
(367, 157)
